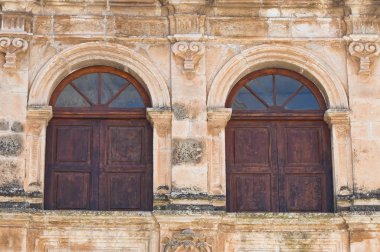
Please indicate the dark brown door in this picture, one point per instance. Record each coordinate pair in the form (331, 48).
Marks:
(278, 150)
(278, 166)
(99, 143)
(99, 164)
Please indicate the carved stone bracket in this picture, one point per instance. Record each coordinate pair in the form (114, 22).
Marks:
(217, 119)
(11, 47)
(187, 240)
(161, 120)
(364, 47)
(190, 53)
(37, 121)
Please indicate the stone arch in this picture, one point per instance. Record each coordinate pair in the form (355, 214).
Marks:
(98, 53)
(283, 56)
(302, 61)
(92, 54)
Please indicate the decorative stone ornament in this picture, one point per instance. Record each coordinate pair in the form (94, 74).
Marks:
(364, 47)
(11, 47)
(187, 240)
(190, 53)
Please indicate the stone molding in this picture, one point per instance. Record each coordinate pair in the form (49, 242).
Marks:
(187, 240)
(259, 57)
(189, 52)
(217, 119)
(340, 118)
(37, 121)
(98, 53)
(15, 23)
(161, 120)
(365, 47)
(11, 47)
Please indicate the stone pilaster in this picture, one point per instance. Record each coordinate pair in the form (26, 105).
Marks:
(161, 120)
(339, 122)
(37, 121)
(217, 121)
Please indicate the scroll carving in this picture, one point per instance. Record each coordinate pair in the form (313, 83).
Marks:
(365, 48)
(11, 47)
(190, 53)
(37, 120)
(187, 240)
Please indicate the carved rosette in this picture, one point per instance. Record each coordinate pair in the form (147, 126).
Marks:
(187, 240)
(37, 121)
(364, 48)
(190, 53)
(161, 120)
(11, 47)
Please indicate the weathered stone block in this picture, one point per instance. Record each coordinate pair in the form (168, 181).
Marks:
(188, 151)
(11, 145)
(17, 127)
(9, 179)
(4, 125)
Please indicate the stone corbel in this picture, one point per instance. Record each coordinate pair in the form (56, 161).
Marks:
(37, 121)
(365, 47)
(161, 121)
(217, 120)
(189, 52)
(11, 47)
(339, 122)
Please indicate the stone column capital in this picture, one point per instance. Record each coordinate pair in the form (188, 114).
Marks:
(190, 52)
(337, 117)
(38, 117)
(160, 119)
(217, 119)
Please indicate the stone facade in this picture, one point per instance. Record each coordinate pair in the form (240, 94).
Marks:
(189, 55)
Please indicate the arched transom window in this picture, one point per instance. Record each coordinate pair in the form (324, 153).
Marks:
(278, 150)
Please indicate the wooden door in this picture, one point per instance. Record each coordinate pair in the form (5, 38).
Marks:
(278, 151)
(99, 164)
(99, 143)
(126, 165)
(277, 166)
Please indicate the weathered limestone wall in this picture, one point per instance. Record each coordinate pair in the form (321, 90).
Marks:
(188, 55)
(170, 231)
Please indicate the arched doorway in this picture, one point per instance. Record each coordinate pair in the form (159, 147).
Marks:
(99, 143)
(278, 151)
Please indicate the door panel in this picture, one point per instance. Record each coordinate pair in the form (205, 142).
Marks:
(251, 167)
(304, 192)
(72, 190)
(253, 192)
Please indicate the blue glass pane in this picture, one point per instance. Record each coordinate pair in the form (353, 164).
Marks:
(111, 84)
(304, 100)
(263, 87)
(88, 85)
(129, 98)
(285, 87)
(244, 100)
(69, 97)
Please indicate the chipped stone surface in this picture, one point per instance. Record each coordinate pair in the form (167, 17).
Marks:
(187, 151)
(4, 125)
(11, 145)
(17, 127)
